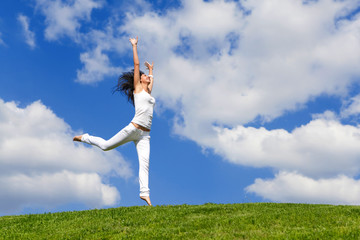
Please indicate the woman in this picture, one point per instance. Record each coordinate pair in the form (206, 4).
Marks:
(137, 86)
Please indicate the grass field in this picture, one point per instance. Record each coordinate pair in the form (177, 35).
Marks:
(209, 221)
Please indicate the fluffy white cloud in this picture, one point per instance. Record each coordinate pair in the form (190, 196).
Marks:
(260, 64)
(96, 62)
(322, 148)
(28, 34)
(49, 190)
(63, 17)
(296, 188)
(40, 164)
(96, 67)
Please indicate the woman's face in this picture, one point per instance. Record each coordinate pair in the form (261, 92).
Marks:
(145, 78)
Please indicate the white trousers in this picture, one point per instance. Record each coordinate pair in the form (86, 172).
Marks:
(142, 143)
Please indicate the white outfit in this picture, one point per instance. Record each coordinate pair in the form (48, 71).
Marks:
(144, 106)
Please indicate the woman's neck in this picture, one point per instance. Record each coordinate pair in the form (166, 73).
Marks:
(145, 87)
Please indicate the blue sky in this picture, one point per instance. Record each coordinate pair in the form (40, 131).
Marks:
(256, 101)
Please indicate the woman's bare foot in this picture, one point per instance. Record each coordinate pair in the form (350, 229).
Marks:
(147, 200)
(77, 138)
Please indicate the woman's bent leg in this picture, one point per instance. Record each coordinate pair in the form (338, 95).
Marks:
(143, 150)
(123, 136)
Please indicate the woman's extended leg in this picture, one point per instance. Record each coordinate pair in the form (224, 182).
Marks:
(125, 135)
(143, 150)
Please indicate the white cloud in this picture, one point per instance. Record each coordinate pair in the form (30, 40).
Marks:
(39, 160)
(96, 67)
(29, 35)
(55, 189)
(96, 62)
(322, 148)
(63, 17)
(275, 59)
(296, 188)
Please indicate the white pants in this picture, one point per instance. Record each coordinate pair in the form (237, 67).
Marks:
(142, 144)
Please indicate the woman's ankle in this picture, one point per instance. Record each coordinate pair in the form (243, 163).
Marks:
(146, 199)
(77, 138)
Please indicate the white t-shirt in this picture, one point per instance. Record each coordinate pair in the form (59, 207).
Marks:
(144, 109)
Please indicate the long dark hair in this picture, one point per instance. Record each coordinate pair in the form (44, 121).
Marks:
(125, 85)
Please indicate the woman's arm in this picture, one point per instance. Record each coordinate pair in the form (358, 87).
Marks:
(150, 67)
(137, 83)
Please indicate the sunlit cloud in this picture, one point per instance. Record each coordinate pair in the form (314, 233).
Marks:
(296, 188)
(40, 164)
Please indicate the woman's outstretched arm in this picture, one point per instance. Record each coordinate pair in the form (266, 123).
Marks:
(137, 83)
(150, 68)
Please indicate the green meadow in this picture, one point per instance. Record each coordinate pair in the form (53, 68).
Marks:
(208, 221)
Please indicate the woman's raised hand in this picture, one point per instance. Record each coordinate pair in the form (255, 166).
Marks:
(148, 66)
(134, 41)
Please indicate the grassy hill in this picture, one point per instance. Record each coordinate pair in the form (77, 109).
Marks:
(209, 221)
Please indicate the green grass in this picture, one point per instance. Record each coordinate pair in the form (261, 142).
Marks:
(209, 221)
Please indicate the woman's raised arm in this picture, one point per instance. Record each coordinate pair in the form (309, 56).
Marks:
(136, 64)
(150, 68)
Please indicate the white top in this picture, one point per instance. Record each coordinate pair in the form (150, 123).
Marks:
(144, 109)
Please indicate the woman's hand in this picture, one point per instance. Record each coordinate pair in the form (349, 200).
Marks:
(148, 66)
(134, 41)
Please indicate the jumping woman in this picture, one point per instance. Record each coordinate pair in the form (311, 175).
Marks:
(137, 86)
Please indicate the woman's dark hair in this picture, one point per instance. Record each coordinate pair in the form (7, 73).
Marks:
(125, 85)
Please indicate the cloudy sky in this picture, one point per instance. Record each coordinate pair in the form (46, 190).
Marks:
(257, 100)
